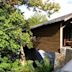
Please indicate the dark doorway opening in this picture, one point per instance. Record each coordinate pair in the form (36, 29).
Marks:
(67, 35)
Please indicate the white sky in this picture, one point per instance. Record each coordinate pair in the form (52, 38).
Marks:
(66, 7)
(27, 13)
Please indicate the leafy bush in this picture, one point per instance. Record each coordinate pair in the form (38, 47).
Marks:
(37, 19)
(12, 38)
(8, 66)
(43, 66)
(28, 67)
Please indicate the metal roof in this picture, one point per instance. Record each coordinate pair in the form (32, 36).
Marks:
(61, 18)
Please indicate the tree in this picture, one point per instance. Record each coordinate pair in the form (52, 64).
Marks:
(37, 19)
(49, 7)
(12, 39)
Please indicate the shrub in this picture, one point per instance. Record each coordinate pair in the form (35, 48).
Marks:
(43, 66)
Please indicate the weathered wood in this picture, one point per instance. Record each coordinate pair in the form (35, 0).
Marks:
(47, 37)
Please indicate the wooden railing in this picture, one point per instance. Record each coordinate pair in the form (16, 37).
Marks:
(69, 43)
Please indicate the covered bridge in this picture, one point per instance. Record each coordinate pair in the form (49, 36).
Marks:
(54, 34)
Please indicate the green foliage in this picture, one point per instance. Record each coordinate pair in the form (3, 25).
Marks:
(37, 19)
(44, 6)
(12, 2)
(26, 38)
(6, 66)
(12, 38)
(35, 2)
(43, 66)
(51, 6)
(28, 67)
(15, 66)
(11, 27)
(48, 7)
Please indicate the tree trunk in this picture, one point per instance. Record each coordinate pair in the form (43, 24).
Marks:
(22, 56)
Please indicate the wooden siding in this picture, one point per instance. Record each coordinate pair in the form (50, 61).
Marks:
(48, 37)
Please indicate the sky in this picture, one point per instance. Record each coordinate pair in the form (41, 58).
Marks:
(66, 8)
